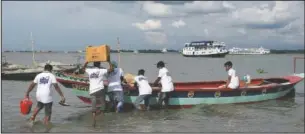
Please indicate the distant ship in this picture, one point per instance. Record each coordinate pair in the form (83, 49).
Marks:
(248, 51)
(135, 51)
(205, 49)
(164, 50)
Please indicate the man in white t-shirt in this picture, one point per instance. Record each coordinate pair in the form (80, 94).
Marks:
(115, 89)
(144, 90)
(233, 80)
(44, 82)
(97, 75)
(166, 82)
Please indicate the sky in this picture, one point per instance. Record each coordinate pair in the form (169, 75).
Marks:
(73, 25)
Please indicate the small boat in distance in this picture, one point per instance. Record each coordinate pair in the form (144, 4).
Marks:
(164, 50)
(135, 51)
(248, 51)
(205, 49)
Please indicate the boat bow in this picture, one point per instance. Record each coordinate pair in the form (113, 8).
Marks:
(295, 78)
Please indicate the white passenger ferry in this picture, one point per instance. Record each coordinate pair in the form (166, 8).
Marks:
(205, 49)
(248, 51)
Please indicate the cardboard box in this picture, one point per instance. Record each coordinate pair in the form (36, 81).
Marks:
(98, 53)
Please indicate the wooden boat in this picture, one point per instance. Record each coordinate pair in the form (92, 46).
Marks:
(28, 74)
(188, 94)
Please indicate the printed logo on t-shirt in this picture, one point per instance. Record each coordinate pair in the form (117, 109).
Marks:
(44, 80)
(94, 75)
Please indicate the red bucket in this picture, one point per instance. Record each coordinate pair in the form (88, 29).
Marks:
(25, 106)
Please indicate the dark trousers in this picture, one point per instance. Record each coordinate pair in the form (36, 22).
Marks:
(164, 97)
(140, 98)
(47, 107)
(98, 96)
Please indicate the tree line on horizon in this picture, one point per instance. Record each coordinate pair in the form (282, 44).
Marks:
(275, 51)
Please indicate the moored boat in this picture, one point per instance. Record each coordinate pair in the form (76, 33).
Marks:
(213, 49)
(28, 74)
(248, 51)
(188, 94)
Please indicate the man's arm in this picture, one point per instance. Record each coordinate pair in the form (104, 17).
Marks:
(31, 87)
(110, 68)
(135, 84)
(57, 88)
(54, 82)
(161, 73)
(228, 81)
(157, 81)
(82, 70)
(229, 78)
(123, 80)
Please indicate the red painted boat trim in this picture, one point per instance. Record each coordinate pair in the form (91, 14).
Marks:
(186, 88)
(293, 79)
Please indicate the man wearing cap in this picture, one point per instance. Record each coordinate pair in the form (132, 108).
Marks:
(115, 89)
(166, 82)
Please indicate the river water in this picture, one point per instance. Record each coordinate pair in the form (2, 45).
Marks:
(269, 116)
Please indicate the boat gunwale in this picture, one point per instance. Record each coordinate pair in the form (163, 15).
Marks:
(249, 88)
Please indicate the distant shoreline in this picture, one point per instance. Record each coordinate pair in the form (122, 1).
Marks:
(272, 51)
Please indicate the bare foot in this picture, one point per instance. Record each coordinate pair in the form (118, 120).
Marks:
(48, 127)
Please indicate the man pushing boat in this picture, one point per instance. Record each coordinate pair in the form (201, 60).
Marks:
(115, 89)
(166, 83)
(96, 85)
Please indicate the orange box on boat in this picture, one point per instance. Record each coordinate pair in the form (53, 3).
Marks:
(98, 53)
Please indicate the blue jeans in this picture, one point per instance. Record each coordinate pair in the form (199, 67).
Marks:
(116, 96)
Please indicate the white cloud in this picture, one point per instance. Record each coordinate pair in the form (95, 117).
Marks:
(206, 32)
(179, 23)
(264, 17)
(157, 38)
(148, 25)
(208, 6)
(273, 24)
(242, 31)
(156, 9)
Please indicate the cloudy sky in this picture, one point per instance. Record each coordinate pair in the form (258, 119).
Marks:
(152, 24)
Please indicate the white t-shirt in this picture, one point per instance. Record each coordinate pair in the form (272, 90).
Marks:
(96, 79)
(44, 83)
(144, 87)
(114, 79)
(166, 80)
(234, 83)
